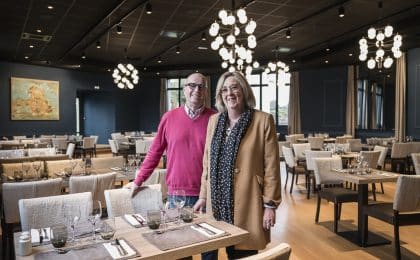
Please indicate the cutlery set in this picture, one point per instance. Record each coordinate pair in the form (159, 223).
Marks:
(121, 250)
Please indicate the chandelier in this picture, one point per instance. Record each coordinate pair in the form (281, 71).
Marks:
(234, 38)
(125, 76)
(384, 44)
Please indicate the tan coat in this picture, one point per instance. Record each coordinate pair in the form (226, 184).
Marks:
(256, 180)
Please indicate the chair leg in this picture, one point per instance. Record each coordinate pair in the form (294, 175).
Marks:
(318, 205)
(308, 186)
(291, 184)
(382, 188)
(335, 217)
(374, 191)
(297, 175)
(339, 211)
(287, 178)
(397, 237)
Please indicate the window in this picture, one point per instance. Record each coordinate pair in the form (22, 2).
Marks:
(370, 105)
(379, 107)
(175, 97)
(272, 98)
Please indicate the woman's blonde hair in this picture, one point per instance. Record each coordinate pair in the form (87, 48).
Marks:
(249, 97)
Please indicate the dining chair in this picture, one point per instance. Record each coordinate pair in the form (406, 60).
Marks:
(88, 147)
(281, 144)
(95, 142)
(281, 251)
(60, 144)
(293, 138)
(316, 143)
(53, 167)
(399, 154)
(119, 201)
(292, 167)
(371, 158)
(310, 165)
(108, 162)
(416, 162)
(330, 187)
(96, 184)
(142, 147)
(46, 211)
(299, 151)
(158, 177)
(10, 168)
(355, 144)
(403, 211)
(70, 150)
(11, 194)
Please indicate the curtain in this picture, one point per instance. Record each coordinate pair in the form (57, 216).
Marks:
(351, 101)
(373, 124)
(294, 105)
(207, 102)
(400, 98)
(163, 102)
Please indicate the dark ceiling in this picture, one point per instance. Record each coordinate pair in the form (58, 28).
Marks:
(74, 27)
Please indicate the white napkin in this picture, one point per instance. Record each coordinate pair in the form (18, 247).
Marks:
(35, 235)
(113, 251)
(209, 227)
(134, 222)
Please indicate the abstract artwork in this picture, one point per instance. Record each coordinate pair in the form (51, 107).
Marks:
(34, 99)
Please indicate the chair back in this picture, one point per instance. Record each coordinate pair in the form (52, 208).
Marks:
(113, 145)
(46, 211)
(19, 137)
(371, 157)
(311, 155)
(281, 144)
(142, 146)
(294, 137)
(416, 162)
(116, 135)
(15, 153)
(407, 193)
(88, 142)
(119, 201)
(96, 184)
(323, 171)
(41, 151)
(10, 168)
(13, 192)
(59, 143)
(158, 177)
(289, 156)
(53, 167)
(95, 138)
(279, 252)
(382, 156)
(70, 150)
(107, 162)
(316, 143)
(299, 149)
(400, 150)
(355, 144)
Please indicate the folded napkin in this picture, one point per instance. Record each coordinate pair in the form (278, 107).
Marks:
(207, 230)
(133, 219)
(114, 252)
(37, 233)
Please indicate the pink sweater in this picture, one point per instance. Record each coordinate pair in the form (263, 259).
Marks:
(184, 140)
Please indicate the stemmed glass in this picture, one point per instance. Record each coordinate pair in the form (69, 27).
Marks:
(179, 201)
(164, 210)
(95, 216)
(37, 166)
(72, 219)
(26, 167)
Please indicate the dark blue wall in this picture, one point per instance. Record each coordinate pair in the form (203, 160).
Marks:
(136, 109)
(323, 100)
(413, 93)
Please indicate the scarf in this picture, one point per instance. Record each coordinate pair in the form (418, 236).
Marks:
(222, 162)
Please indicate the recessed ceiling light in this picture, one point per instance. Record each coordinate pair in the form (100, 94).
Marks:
(157, 73)
(50, 7)
(98, 44)
(96, 87)
(172, 34)
(294, 61)
(159, 60)
(203, 36)
(350, 54)
(148, 8)
(202, 48)
(109, 70)
(31, 46)
(178, 50)
(26, 57)
(282, 49)
(327, 49)
(145, 68)
(326, 61)
(83, 55)
(38, 30)
(196, 71)
(388, 76)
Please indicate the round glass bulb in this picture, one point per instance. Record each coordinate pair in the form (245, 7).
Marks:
(371, 63)
(388, 31)
(230, 39)
(371, 33)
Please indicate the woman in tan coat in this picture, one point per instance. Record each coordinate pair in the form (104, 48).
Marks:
(241, 176)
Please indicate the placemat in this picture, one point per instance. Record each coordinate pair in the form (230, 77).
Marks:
(88, 252)
(177, 237)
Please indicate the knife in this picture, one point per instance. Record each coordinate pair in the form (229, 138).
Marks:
(138, 219)
(211, 232)
(122, 248)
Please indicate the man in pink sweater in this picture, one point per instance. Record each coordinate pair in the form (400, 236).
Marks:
(182, 133)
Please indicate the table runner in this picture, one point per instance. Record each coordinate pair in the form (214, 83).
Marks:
(177, 237)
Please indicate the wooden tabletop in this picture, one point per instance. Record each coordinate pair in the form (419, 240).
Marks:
(149, 251)
(374, 177)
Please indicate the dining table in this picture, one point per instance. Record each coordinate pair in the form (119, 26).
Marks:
(362, 236)
(148, 243)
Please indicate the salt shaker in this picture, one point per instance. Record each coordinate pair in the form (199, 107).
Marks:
(25, 244)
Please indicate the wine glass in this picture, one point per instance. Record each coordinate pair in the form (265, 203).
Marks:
(58, 237)
(95, 216)
(37, 166)
(179, 201)
(164, 210)
(72, 217)
(107, 229)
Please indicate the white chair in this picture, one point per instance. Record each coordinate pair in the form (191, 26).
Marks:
(299, 150)
(292, 167)
(316, 143)
(53, 167)
(119, 201)
(371, 158)
(324, 176)
(355, 144)
(416, 162)
(96, 184)
(310, 164)
(399, 154)
(281, 144)
(60, 144)
(403, 211)
(294, 137)
(41, 151)
(108, 162)
(12, 193)
(279, 252)
(19, 137)
(88, 147)
(158, 177)
(114, 136)
(43, 212)
(95, 137)
(15, 153)
(70, 150)
(142, 146)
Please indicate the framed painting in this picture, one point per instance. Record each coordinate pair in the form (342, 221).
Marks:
(34, 99)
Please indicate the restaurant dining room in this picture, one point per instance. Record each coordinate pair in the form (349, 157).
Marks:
(256, 129)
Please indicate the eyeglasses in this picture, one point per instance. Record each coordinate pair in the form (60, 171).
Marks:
(232, 88)
(194, 86)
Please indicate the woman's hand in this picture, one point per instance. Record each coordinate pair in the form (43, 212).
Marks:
(199, 205)
(269, 218)
(134, 188)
